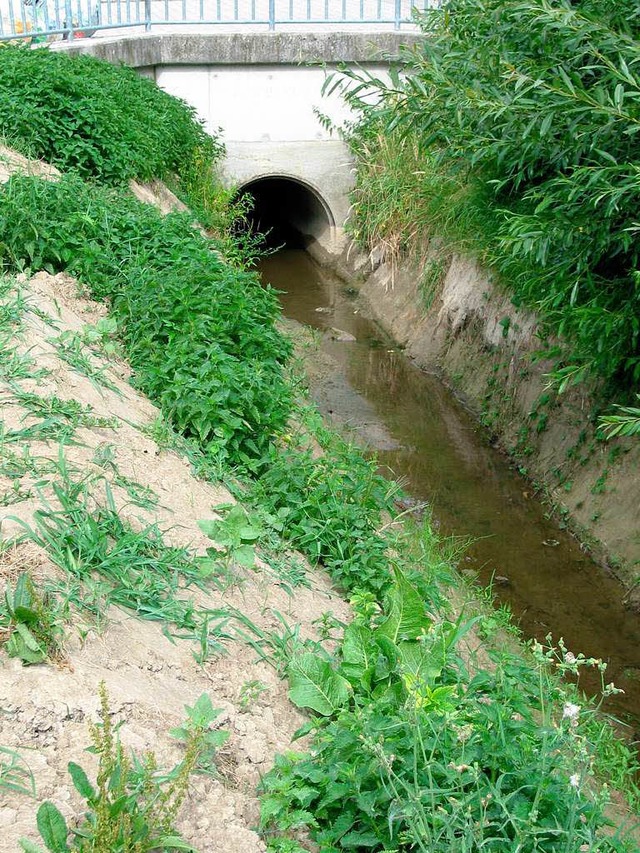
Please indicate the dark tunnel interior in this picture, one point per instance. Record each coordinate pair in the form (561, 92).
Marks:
(286, 211)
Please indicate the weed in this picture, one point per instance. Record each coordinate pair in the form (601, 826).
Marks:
(16, 494)
(15, 774)
(433, 273)
(330, 508)
(33, 629)
(236, 533)
(53, 407)
(72, 349)
(289, 571)
(198, 331)
(140, 572)
(412, 751)
(211, 635)
(131, 807)
(103, 120)
(277, 648)
(250, 693)
(142, 496)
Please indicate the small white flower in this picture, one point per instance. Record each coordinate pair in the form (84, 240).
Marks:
(574, 780)
(570, 658)
(571, 712)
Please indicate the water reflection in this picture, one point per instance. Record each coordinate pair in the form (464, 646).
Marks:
(429, 442)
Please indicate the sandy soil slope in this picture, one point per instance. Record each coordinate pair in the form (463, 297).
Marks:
(45, 709)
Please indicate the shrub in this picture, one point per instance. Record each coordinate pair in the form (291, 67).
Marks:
(533, 106)
(198, 331)
(101, 120)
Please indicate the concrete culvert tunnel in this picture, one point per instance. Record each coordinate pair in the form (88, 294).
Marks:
(287, 211)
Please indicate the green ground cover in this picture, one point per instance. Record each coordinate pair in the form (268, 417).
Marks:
(423, 735)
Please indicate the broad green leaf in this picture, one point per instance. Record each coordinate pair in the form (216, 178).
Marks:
(29, 846)
(356, 645)
(202, 712)
(52, 827)
(25, 614)
(81, 781)
(419, 662)
(22, 644)
(210, 527)
(407, 619)
(359, 839)
(217, 738)
(314, 684)
(245, 556)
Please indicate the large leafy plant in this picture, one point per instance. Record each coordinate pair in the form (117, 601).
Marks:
(101, 120)
(520, 121)
(411, 751)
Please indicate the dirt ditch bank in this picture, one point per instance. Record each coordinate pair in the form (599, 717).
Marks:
(447, 315)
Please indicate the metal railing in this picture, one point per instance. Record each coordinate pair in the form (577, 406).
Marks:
(42, 20)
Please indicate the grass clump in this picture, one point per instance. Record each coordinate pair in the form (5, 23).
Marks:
(101, 120)
(15, 775)
(133, 569)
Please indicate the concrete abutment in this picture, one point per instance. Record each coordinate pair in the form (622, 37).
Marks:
(261, 91)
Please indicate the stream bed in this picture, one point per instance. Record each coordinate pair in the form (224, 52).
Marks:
(425, 438)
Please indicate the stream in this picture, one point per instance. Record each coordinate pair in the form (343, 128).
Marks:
(425, 438)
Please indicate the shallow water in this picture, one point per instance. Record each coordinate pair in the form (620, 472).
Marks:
(425, 438)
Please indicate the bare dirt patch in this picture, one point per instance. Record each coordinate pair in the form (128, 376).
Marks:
(150, 674)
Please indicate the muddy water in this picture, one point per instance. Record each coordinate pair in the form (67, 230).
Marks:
(426, 439)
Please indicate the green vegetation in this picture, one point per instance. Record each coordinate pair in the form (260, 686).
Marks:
(626, 421)
(413, 748)
(130, 809)
(512, 133)
(330, 508)
(15, 775)
(32, 624)
(417, 742)
(102, 121)
(197, 330)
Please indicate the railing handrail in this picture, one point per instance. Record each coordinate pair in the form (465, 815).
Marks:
(40, 20)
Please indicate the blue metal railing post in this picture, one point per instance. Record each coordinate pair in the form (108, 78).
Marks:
(69, 16)
(84, 17)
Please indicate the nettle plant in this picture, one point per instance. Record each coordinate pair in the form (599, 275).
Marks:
(198, 330)
(101, 120)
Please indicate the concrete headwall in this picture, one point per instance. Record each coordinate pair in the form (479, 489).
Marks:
(260, 92)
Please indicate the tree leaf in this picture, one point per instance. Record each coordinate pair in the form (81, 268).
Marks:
(314, 684)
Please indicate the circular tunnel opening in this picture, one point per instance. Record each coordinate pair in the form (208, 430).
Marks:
(286, 211)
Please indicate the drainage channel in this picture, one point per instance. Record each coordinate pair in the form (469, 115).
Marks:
(424, 438)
